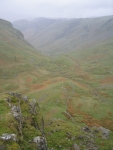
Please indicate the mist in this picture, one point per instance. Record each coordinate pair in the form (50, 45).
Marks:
(29, 9)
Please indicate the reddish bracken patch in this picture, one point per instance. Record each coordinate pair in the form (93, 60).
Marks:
(81, 85)
(38, 86)
(2, 62)
(70, 108)
(29, 79)
(110, 113)
(47, 83)
(107, 123)
(95, 57)
(107, 80)
(90, 121)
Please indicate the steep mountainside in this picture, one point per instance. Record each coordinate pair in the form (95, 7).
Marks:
(55, 36)
(17, 58)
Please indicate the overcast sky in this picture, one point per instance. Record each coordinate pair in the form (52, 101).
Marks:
(27, 9)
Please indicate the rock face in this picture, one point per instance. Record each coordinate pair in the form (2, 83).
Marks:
(41, 143)
(7, 137)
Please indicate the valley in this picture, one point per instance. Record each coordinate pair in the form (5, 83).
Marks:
(73, 88)
(58, 36)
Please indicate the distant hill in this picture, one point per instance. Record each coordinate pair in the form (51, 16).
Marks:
(55, 36)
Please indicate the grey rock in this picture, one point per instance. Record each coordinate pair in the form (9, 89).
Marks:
(59, 146)
(15, 114)
(41, 143)
(73, 138)
(17, 95)
(15, 111)
(8, 99)
(33, 105)
(25, 99)
(80, 137)
(86, 129)
(76, 147)
(105, 132)
(36, 139)
(95, 129)
(11, 93)
(7, 137)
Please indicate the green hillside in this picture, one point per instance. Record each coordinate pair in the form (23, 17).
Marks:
(55, 36)
(69, 97)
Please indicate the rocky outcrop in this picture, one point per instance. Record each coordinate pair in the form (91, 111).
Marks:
(33, 105)
(103, 131)
(23, 109)
(17, 95)
(90, 134)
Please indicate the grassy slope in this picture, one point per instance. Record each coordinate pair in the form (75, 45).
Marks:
(85, 92)
(86, 88)
(79, 83)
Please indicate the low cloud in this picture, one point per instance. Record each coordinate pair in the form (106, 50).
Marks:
(19, 9)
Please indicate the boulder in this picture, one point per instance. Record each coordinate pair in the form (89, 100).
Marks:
(15, 111)
(7, 137)
(41, 143)
(105, 132)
